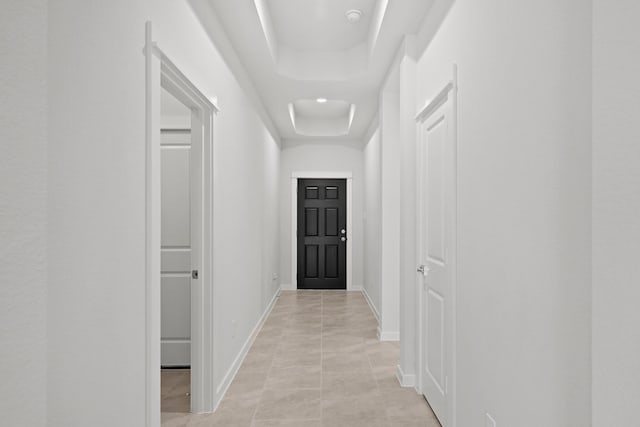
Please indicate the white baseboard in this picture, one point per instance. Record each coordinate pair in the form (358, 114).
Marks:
(382, 335)
(388, 335)
(235, 366)
(371, 306)
(405, 380)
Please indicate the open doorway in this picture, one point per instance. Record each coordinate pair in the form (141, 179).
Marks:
(163, 74)
(175, 254)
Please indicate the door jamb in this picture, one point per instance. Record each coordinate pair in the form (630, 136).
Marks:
(161, 72)
(348, 176)
(449, 91)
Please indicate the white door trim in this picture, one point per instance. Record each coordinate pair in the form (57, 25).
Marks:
(161, 72)
(294, 220)
(448, 92)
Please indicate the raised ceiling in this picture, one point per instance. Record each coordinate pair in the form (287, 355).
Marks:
(327, 119)
(296, 51)
(303, 24)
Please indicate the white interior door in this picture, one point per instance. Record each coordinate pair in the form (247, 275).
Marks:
(436, 163)
(176, 248)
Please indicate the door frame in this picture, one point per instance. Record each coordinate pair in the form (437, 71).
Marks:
(295, 176)
(161, 72)
(449, 92)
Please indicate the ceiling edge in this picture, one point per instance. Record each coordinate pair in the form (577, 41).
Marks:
(353, 143)
(376, 25)
(267, 28)
(219, 38)
(372, 129)
(302, 128)
(435, 17)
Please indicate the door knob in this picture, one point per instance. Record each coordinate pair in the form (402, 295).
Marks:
(423, 269)
(343, 239)
(343, 231)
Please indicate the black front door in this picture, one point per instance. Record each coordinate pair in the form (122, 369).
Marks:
(322, 234)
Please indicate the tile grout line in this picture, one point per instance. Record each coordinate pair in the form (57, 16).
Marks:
(285, 321)
(264, 385)
(378, 388)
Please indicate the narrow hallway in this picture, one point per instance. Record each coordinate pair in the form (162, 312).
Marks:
(316, 362)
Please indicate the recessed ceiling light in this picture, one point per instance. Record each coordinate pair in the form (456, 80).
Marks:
(321, 100)
(353, 15)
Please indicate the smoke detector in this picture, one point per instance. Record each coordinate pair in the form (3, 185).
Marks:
(353, 15)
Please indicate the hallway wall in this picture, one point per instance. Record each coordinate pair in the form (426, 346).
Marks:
(96, 247)
(524, 226)
(390, 215)
(271, 221)
(616, 208)
(321, 156)
(372, 284)
(23, 213)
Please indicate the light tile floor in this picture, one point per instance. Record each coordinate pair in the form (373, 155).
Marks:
(316, 363)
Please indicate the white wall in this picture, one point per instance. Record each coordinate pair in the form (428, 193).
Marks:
(616, 208)
(390, 192)
(271, 221)
(321, 156)
(97, 181)
(23, 213)
(409, 300)
(372, 208)
(524, 229)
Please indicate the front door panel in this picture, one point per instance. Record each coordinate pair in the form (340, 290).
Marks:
(322, 236)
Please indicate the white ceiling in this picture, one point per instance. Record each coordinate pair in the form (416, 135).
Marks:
(303, 24)
(329, 119)
(331, 109)
(296, 51)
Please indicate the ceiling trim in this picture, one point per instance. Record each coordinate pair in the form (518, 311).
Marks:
(302, 64)
(267, 28)
(219, 38)
(374, 126)
(292, 114)
(352, 114)
(284, 51)
(319, 126)
(376, 25)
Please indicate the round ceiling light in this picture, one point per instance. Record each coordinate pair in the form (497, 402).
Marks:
(353, 15)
